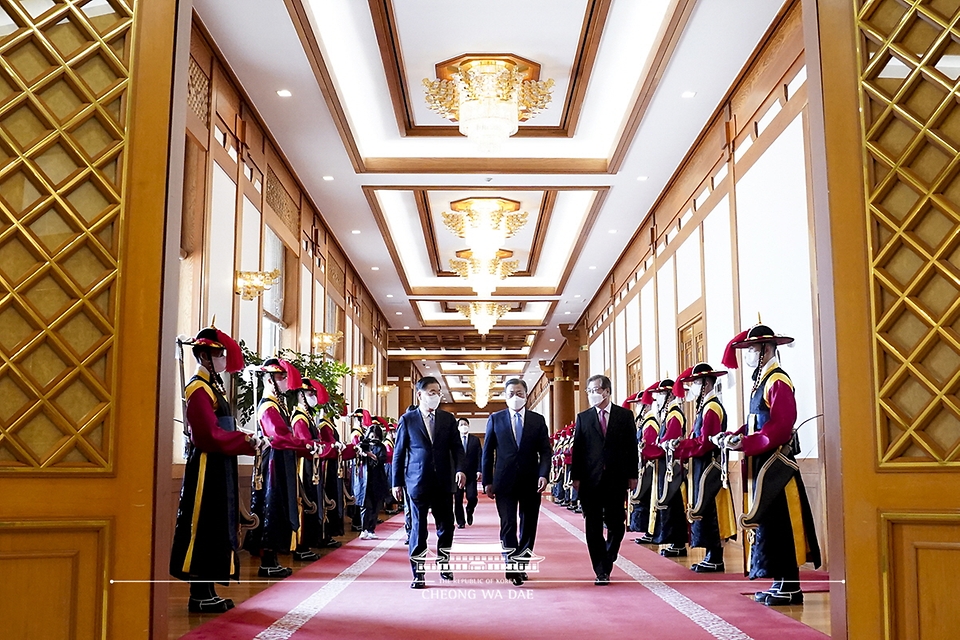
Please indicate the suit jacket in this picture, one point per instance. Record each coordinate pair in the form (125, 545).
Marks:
(612, 459)
(471, 460)
(425, 467)
(511, 468)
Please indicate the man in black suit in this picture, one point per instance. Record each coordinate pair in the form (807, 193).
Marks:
(605, 465)
(427, 446)
(516, 463)
(471, 467)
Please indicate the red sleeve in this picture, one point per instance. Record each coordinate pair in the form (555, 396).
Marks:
(779, 427)
(349, 452)
(700, 446)
(650, 449)
(275, 428)
(329, 442)
(206, 433)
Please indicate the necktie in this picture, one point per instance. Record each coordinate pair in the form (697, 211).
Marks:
(603, 422)
(517, 427)
(464, 443)
(430, 424)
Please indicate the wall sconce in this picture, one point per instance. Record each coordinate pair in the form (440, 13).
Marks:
(361, 371)
(251, 284)
(385, 389)
(324, 341)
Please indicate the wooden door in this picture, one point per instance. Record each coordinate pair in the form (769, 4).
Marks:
(84, 123)
(885, 132)
(692, 351)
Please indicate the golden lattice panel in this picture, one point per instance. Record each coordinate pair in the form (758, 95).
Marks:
(64, 75)
(910, 67)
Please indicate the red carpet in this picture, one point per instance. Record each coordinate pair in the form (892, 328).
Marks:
(362, 591)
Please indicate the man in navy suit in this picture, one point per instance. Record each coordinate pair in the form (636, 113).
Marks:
(471, 467)
(605, 464)
(427, 445)
(516, 464)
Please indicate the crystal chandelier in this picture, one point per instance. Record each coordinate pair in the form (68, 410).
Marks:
(485, 223)
(483, 315)
(489, 95)
(481, 382)
(484, 275)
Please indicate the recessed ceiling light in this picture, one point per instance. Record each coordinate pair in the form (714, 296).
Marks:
(566, 313)
(593, 266)
(284, 93)
(577, 295)
(374, 268)
(328, 178)
(612, 231)
(641, 178)
(546, 350)
(399, 313)
(355, 232)
(688, 94)
(553, 339)
(406, 327)
(389, 295)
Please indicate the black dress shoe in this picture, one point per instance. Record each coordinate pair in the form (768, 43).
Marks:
(523, 575)
(330, 543)
(707, 567)
(578, 509)
(446, 575)
(418, 583)
(209, 605)
(461, 526)
(760, 596)
(305, 556)
(602, 580)
(644, 539)
(355, 527)
(406, 541)
(674, 552)
(470, 518)
(274, 572)
(782, 598)
(515, 578)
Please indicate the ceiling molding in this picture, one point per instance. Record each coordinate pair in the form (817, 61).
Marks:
(441, 165)
(385, 26)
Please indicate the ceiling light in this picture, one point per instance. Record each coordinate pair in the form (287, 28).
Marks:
(612, 231)
(284, 93)
(483, 275)
(355, 232)
(374, 268)
(593, 266)
(488, 95)
(485, 223)
(688, 94)
(483, 315)
(399, 313)
(566, 313)
(577, 295)
(641, 178)
(553, 339)
(481, 382)
(389, 295)
(328, 178)
(406, 327)
(546, 350)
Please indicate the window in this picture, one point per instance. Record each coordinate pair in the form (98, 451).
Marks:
(273, 258)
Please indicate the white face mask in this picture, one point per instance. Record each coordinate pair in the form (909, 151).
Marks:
(595, 399)
(219, 363)
(283, 385)
(516, 402)
(430, 402)
(659, 399)
(464, 429)
(311, 400)
(694, 391)
(752, 357)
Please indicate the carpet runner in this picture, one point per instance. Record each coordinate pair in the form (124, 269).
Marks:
(362, 590)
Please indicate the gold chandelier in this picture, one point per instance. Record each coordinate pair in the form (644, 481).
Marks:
(489, 95)
(251, 284)
(483, 315)
(485, 223)
(483, 275)
(481, 382)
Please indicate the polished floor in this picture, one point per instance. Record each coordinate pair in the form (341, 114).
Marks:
(815, 613)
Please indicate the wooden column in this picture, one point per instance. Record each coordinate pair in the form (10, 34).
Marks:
(564, 405)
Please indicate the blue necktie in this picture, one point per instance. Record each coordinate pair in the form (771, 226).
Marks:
(517, 428)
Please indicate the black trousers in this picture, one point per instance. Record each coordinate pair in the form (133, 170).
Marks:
(441, 503)
(470, 491)
(603, 505)
(526, 504)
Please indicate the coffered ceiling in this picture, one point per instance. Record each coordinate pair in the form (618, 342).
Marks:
(635, 82)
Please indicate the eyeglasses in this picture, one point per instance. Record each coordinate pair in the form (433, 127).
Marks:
(594, 389)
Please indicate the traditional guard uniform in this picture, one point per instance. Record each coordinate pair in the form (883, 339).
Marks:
(277, 503)
(711, 506)
(776, 510)
(668, 490)
(206, 538)
(633, 511)
(308, 468)
(330, 465)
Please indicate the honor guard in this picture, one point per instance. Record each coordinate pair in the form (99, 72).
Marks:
(648, 430)
(780, 535)
(206, 538)
(310, 395)
(277, 502)
(332, 491)
(667, 497)
(711, 507)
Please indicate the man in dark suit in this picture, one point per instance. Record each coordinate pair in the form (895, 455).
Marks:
(605, 465)
(516, 464)
(471, 467)
(426, 455)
